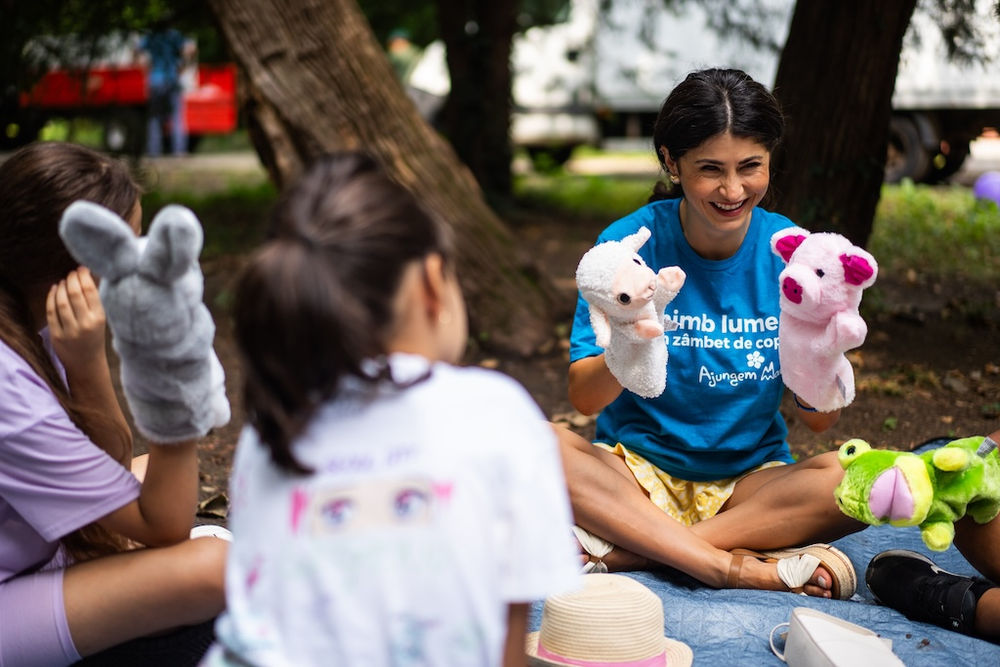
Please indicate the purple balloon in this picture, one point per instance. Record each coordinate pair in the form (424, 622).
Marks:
(988, 186)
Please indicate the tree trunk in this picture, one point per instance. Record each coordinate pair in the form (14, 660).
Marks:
(835, 82)
(317, 81)
(476, 116)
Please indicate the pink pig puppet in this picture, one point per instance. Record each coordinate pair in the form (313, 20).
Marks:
(820, 294)
(626, 300)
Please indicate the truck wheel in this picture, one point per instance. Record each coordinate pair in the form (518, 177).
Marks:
(124, 132)
(906, 156)
(946, 166)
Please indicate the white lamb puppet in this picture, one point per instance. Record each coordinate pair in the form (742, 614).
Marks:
(627, 300)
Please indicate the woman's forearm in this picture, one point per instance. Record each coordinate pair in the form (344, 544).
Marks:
(591, 385)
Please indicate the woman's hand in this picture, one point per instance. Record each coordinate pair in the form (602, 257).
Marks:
(76, 321)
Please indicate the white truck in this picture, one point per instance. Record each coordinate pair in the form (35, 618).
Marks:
(603, 71)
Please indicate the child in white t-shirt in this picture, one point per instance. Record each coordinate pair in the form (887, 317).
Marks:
(388, 506)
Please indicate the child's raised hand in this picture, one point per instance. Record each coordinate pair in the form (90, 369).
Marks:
(76, 319)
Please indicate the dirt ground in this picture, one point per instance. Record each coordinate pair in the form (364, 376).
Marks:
(929, 368)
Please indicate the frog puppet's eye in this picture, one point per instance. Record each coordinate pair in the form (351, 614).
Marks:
(850, 450)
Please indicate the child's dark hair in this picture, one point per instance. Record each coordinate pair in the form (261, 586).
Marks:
(316, 300)
(37, 183)
(711, 102)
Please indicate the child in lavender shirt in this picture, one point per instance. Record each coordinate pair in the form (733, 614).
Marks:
(74, 579)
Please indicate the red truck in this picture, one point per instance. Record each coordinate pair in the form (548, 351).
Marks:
(117, 97)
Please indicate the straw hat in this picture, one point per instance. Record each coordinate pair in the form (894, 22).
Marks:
(610, 620)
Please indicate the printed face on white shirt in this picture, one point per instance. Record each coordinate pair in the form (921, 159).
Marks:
(376, 504)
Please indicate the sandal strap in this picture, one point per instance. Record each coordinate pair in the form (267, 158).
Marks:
(735, 566)
(795, 571)
(592, 544)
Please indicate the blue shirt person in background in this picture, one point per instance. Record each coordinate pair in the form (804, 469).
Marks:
(168, 51)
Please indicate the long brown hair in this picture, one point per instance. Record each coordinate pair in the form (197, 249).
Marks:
(37, 183)
(316, 301)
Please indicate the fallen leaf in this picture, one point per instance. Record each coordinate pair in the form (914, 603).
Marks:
(216, 506)
(490, 363)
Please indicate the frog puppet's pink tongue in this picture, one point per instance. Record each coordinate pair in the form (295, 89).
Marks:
(890, 498)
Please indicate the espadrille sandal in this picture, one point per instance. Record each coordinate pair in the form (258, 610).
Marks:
(796, 566)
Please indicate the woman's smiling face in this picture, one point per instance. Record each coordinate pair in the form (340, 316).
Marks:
(723, 179)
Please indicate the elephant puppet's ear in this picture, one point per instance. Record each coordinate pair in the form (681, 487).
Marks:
(787, 241)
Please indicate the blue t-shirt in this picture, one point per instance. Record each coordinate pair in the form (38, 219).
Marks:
(718, 416)
(166, 49)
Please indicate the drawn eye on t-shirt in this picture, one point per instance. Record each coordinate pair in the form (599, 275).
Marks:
(377, 504)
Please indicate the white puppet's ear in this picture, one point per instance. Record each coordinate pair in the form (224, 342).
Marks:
(175, 240)
(601, 326)
(786, 241)
(99, 239)
(635, 241)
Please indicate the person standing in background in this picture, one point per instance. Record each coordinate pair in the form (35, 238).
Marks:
(167, 51)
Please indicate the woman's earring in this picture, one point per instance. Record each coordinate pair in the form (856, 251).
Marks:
(444, 318)
(675, 179)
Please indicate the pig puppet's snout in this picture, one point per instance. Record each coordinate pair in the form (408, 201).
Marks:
(791, 289)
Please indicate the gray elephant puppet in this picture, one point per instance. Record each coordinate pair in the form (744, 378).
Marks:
(151, 288)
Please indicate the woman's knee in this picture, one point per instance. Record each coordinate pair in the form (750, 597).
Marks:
(202, 570)
(828, 465)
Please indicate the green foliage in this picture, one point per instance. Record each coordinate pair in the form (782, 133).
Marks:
(90, 22)
(419, 18)
(591, 197)
(234, 218)
(938, 231)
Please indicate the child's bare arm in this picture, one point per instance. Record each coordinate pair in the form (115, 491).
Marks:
(517, 628)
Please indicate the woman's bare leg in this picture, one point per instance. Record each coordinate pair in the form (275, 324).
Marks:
(117, 598)
(779, 507)
(608, 501)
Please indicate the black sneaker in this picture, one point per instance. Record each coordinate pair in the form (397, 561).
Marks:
(911, 583)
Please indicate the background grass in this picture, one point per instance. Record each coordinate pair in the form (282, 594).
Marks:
(939, 231)
(234, 218)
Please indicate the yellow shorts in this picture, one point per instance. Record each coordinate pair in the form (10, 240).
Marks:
(688, 502)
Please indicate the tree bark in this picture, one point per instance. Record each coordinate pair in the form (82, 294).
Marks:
(835, 81)
(318, 81)
(476, 116)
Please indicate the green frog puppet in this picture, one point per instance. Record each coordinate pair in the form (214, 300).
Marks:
(931, 490)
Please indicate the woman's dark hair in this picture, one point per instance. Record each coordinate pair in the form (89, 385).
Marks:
(37, 183)
(316, 301)
(711, 102)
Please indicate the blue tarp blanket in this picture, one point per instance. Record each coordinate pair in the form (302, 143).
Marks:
(732, 627)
